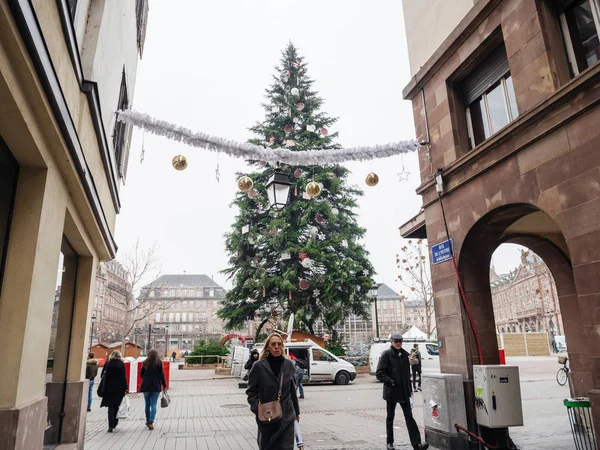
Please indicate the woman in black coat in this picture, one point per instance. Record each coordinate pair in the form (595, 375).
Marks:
(263, 387)
(153, 378)
(114, 387)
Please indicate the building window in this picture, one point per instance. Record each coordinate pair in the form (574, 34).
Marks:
(184, 318)
(204, 303)
(157, 317)
(120, 132)
(489, 96)
(141, 16)
(72, 8)
(172, 292)
(177, 317)
(211, 293)
(151, 294)
(580, 23)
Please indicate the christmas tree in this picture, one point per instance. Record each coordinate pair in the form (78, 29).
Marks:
(305, 258)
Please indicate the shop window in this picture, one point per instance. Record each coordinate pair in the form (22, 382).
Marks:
(489, 98)
(580, 21)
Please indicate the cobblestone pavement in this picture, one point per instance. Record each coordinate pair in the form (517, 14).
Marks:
(212, 413)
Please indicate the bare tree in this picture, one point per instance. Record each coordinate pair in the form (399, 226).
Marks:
(140, 266)
(415, 275)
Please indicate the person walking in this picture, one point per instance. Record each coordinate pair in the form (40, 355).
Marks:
(415, 365)
(299, 367)
(272, 378)
(254, 354)
(173, 356)
(114, 387)
(153, 378)
(394, 372)
(91, 370)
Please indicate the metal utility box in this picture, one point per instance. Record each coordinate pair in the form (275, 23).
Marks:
(443, 406)
(498, 396)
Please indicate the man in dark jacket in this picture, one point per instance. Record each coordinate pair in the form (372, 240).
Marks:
(254, 354)
(393, 371)
(91, 370)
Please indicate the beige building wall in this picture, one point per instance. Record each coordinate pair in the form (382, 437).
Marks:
(428, 24)
(65, 202)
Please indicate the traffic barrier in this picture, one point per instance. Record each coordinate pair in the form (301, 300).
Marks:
(134, 379)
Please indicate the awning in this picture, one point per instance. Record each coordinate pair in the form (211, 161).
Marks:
(415, 227)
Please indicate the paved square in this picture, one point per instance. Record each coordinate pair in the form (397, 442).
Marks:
(208, 413)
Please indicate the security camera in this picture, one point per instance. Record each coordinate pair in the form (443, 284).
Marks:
(424, 142)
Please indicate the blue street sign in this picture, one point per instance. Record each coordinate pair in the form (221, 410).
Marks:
(442, 252)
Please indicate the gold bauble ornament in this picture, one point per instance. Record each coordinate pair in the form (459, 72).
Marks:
(372, 179)
(179, 162)
(245, 183)
(313, 189)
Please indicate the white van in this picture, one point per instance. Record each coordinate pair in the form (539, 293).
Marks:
(430, 353)
(322, 365)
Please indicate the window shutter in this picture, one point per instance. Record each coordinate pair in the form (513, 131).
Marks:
(485, 75)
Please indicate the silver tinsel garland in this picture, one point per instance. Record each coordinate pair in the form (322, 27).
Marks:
(255, 152)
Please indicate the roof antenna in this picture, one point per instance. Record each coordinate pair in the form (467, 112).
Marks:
(184, 272)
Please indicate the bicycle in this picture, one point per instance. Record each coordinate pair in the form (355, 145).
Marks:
(562, 376)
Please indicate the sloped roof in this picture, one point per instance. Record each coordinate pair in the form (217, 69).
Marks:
(413, 303)
(183, 280)
(385, 291)
(119, 344)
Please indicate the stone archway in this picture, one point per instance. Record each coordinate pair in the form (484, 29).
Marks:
(526, 225)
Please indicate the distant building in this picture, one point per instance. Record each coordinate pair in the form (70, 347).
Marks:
(112, 302)
(525, 300)
(416, 314)
(185, 311)
(55, 306)
(390, 311)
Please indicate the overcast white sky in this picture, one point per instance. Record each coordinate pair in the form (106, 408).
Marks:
(206, 65)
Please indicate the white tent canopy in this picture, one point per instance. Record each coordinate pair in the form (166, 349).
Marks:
(414, 333)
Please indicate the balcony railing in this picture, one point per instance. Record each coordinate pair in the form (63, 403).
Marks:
(533, 312)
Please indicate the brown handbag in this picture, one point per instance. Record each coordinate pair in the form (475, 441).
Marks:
(271, 412)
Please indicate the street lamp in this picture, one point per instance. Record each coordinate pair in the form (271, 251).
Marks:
(278, 190)
(92, 330)
(373, 294)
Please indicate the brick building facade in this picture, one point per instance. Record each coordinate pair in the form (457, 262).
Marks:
(185, 312)
(525, 300)
(506, 105)
(112, 303)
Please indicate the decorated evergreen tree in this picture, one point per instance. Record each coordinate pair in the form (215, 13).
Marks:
(306, 258)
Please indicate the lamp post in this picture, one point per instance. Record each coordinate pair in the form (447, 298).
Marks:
(166, 341)
(373, 294)
(92, 330)
(278, 190)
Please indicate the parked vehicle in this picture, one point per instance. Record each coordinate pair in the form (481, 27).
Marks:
(323, 366)
(430, 353)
